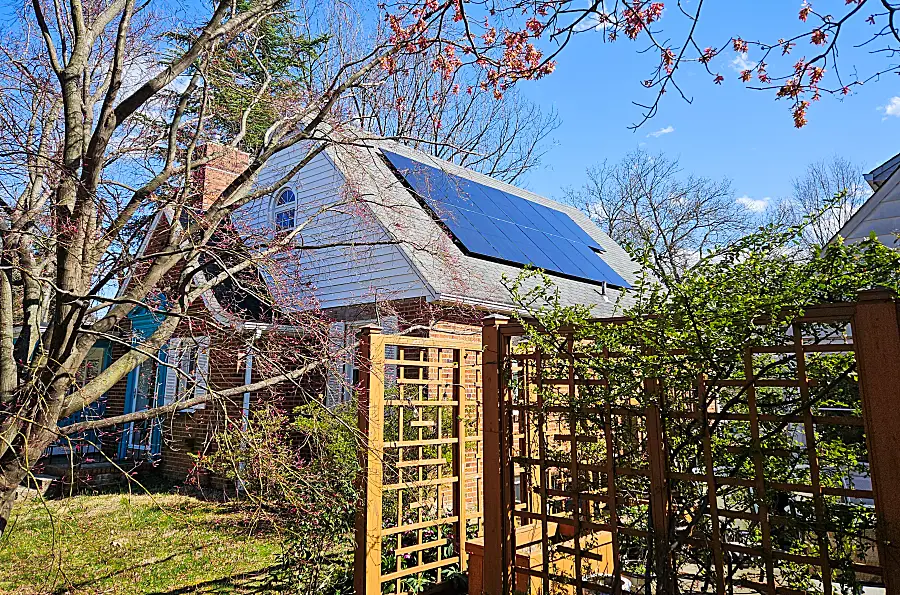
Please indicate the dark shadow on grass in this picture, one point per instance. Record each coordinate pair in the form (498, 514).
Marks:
(257, 581)
(69, 586)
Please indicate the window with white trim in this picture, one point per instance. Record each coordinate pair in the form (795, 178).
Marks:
(337, 389)
(187, 369)
(284, 210)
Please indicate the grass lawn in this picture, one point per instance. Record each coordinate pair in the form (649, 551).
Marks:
(132, 544)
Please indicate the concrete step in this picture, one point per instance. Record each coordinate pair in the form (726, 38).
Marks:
(44, 484)
(26, 493)
(39, 484)
(44, 481)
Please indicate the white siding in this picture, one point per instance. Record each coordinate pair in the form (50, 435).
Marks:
(880, 214)
(337, 275)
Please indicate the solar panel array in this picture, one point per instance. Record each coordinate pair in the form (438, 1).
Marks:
(501, 226)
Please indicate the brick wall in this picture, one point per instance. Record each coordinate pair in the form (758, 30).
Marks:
(215, 176)
(447, 321)
(190, 432)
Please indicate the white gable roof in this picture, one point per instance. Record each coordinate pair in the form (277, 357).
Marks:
(881, 213)
(415, 257)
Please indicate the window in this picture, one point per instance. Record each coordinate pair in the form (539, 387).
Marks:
(284, 210)
(140, 432)
(187, 367)
(338, 387)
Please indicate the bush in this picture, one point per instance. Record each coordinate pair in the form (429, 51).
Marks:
(297, 474)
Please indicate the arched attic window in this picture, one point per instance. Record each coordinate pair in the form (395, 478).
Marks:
(284, 209)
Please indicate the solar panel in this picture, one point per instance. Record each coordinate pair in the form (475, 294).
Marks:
(501, 226)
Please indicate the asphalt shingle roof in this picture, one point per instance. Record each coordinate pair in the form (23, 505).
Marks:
(451, 274)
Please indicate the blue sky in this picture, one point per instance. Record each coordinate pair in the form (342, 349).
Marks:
(728, 130)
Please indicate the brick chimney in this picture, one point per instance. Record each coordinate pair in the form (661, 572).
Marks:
(213, 177)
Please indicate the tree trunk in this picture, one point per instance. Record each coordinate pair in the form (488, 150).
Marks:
(15, 467)
(10, 478)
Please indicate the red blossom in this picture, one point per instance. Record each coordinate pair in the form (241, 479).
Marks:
(718, 80)
(389, 64)
(815, 74)
(740, 45)
(819, 37)
(637, 17)
(668, 59)
(534, 26)
(458, 11)
(800, 114)
(791, 88)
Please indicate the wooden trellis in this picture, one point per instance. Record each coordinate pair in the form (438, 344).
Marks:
(420, 409)
(577, 482)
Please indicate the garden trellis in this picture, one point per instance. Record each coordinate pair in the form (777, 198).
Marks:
(773, 474)
(756, 481)
(420, 409)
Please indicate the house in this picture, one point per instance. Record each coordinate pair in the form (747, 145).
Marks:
(383, 234)
(881, 213)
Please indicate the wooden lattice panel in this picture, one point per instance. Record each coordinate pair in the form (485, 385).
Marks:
(597, 478)
(424, 490)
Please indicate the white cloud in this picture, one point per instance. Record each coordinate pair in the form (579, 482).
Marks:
(741, 63)
(662, 131)
(892, 108)
(598, 21)
(754, 205)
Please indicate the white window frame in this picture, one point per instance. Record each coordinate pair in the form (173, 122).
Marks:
(187, 370)
(288, 207)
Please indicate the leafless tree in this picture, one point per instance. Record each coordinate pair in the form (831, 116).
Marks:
(108, 110)
(833, 188)
(459, 118)
(647, 202)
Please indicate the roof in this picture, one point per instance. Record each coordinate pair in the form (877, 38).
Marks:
(880, 174)
(881, 212)
(451, 274)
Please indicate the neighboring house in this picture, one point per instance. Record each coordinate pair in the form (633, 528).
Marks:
(404, 240)
(881, 213)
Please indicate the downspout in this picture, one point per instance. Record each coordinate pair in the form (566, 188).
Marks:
(248, 378)
(245, 412)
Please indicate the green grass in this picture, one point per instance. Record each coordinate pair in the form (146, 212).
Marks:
(114, 544)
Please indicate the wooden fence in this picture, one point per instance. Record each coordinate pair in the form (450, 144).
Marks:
(420, 409)
(587, 486)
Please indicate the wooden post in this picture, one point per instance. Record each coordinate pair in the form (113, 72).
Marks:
(659, 497)
(876, 335)
(367, 558)
(497, 560)
(459, 455)
(712, 495)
